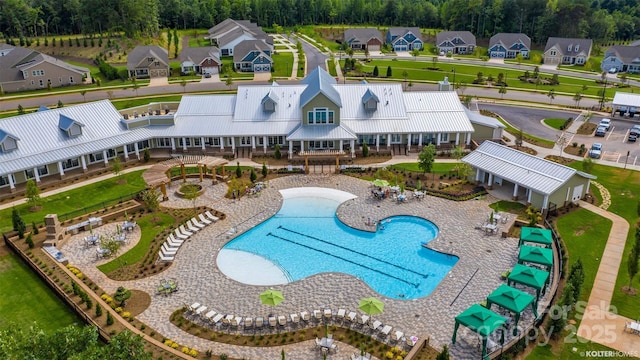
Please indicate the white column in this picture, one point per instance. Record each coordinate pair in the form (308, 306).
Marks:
(35, 173)
(341, 145)
(264, 144)
(438, 139)
(515, 191)
(60, 169)
(184, 144)
(490, 182)
(588, 184)
(478, 174)
(457, 139)
(253, 142)
(83, 162)
(352, 143)
(545, 202)
(173, 144)
(12, 185)
(290, 149)
(204, 146)
(529, 195)
(420, 141)
(126, 152)
(568, 191)
(233, 144)
(468, 141)
(388, 140)
(301, 145)
(378, 142)
(136, 150)
(104, 156)
(408, 142)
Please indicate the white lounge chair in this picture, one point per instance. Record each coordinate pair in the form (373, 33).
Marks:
(200, 310)
(397, 335)
(317, 315)
(204, 220)
(197, 224)
(210, 315)
(352, 316)
(173, 243)
(272, 321)
(386, 329)
(180, 235)
(217, 318)
(304, 316)
(364, 319)
(193, 307)
(165, 257)
(376, 324)
(167, 250)
(282, 320)
(192, 227)
(172, 237)
(341, 313)
(185, 231)
(211, 216)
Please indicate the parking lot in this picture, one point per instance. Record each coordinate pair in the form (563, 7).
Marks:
(615, 143)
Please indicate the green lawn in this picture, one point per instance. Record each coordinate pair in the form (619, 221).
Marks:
(135, 102)
(544, 352)
(282, 64)
(437, 168)
(227, 69)
(26, 298)
(527, 137)
(555, 123)
(199, 42)
(84, 197)
(150, 226)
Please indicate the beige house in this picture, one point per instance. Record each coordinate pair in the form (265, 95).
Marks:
(148, 62)
(23, 69)
(566, 51)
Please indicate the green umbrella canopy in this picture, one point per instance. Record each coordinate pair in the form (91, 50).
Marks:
(271, 297)
(536, 255)
(380, 183)
(510, 298)
(536, 235)
(525, 275)
(480, 319)
(371, 306)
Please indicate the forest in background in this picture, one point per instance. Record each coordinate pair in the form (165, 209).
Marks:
(600, 20)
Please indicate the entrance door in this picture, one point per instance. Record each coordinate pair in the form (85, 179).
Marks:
(577, 193)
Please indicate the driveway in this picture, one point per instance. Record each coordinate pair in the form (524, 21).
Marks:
(262, 76)
(159, 81)
(215, 78)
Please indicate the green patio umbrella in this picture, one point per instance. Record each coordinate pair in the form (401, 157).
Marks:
(480, 320)
(536, 255)
(371, 306)
(531, 277)
(536, 235)
(513, 300)
(380, 183)
(271, 297)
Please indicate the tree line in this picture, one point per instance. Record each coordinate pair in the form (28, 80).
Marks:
(601, 20)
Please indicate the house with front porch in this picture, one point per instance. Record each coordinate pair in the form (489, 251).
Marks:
(509, 45)
(148, 61)
(622, 58)
(316, 117)
(455, 42)
(404, 38)
(363, 39)
(200, 60)
(252, 56)
(541, 183)
(567, 51)
(229, 33)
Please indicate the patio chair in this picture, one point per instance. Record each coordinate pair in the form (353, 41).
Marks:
(282, 320)
(273, 322)
(364, 320)
(351, 317)
(201, 310)
(164, 257)
(196, 223)
(180, 235)
(386, 330)
(327, 314)
(397, 335)
(194, 229)
(167, 250)
(340, 314)
(317, 315)
(305, 316)
(209, 316)
(211, 216)
(204, 220)
(193, 307)
(184, 231)
(248, 323)
(259, 323)
(375, 325)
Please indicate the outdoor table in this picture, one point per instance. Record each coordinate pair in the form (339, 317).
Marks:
(128, 225)
(418, 194)
(402, 198)
(93, 238)
(394, 189)
(635, 327)
(121, 237)
(102, 252)
(326, 342)
(490, 228)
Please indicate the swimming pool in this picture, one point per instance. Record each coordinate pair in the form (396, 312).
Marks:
(306, 238)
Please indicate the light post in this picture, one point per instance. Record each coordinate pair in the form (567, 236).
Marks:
(454, 76)
(604, 90)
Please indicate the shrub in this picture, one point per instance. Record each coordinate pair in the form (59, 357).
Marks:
(98, 310)
(30, 241)
(277, 154)
(34, 228)
(126, 314)
(109, 319)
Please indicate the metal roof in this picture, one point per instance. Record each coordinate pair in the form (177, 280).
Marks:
(319, 82)
(626, 99)
(391, 105)
(271, 95)
(368, 95)
(65, 122)
(477, 118)
(321, 132)
(540, 175)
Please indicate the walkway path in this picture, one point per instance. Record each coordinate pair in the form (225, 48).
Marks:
(599, 324)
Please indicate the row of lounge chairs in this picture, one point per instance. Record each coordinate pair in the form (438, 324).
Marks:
(171, 246)
(301, 319)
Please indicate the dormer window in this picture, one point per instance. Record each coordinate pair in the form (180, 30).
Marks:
(71, 127)
(370, 101)
(269, 102)
(8, 142)
(150, 59)
(570, 47)
(577, 47)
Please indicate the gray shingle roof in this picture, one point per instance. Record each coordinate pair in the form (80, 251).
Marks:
(319, 82)
(466, 36)
(197, 54)
(508, 39)
(584, 45)
(627, 54)
(140, 53)
(540, 175)
(19, 58)
(401, 31)
(244, 47)
(362, 34)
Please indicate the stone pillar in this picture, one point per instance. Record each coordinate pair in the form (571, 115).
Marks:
(163, 190)
(84, 163)
(60, 170)
(515, 192)
(35, 173)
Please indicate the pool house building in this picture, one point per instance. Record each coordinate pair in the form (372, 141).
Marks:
(316, 117)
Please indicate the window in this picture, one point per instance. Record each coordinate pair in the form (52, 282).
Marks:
(28, 174)
(163, 142)
(552, 53)
(273, 140)
(111, 154)
(25, 74)
(4, 180)
(183, 141)
(369, 139)
(245, 140)
(95, 157)
(396, 139)
(37, 72)
(130, 148)
(319, 145)
(41, 83)
(70, 163)
(196, 142)
(60, 80)
(71, 80)
(150, 59)
(43, 170)
(580, 60)
(577, 47)
(320, 116)
(444, 137)
(569, 48)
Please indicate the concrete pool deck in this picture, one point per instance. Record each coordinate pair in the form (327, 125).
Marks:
(482, 259)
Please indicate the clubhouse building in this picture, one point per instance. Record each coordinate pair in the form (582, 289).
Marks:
(316, 117)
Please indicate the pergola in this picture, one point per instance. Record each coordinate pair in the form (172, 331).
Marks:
(536, 255)
(531, 277)
(536, 235)
(513, 300)
(321, 153)
(480, 320)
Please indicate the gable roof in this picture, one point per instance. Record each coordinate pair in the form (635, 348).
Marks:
(271, 96)
(402, 31)
(508, 39)
(368, 95)
(4, 135)
(540, 175)
(466, 36)
(562, 44)
(140, 53)
(244, 47)
(362, 34)
(197, 54)
(65, 123)
(319, 82)
(627, 54)
(229, 30)
(18, 59)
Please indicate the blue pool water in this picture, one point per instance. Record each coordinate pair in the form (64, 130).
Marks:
(306, 238)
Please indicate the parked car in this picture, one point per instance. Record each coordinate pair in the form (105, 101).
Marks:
(207, 75)
(634, 133)
(613, 70)
(601, 131)
(606, 123)
(596, 151)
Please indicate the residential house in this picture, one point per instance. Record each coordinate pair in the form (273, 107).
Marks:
(455, 42)
(229, 33)
(509, 45)
(622, 59)
(404, 39)
(252, 56)
(24, 69)
(313, 117)
(363, 39)
(541, 183)
(200, 60)
(566, 51)
(149, 61)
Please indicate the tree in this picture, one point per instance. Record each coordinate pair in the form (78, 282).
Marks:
(365, 149)
(519, 58)
(434, 62)
(21, 110)
(135, 86)
(228, 81)
(253, 176)
(375, 71)
(426, 158)
(238, 170)
(112, 246)
(150, 199)
(389, 72)
(29, 242)
(169, 39)
(623, 78)
(176, 43)
(183, 83)
(551, 95)
(32, 193)
(84, 93)
(191, 192)
(632, 262)
(18, 223)
(265, 170)
(415, 53)
(502, 90)
(536, 72)
(366, 54)
(276, 153)
(350, 53)
(122, 295)
(533, 215)
(146, 154)
(444, 354)
(577, 97)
